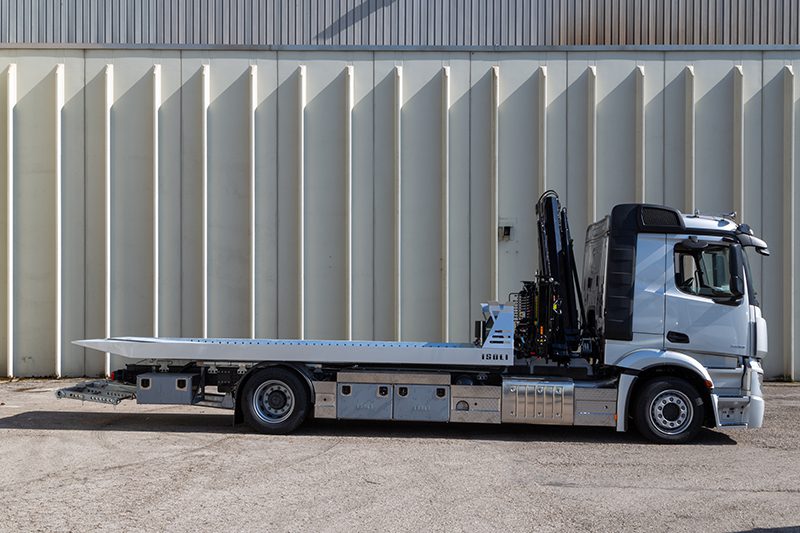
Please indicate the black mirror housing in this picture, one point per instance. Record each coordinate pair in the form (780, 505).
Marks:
(737, 286)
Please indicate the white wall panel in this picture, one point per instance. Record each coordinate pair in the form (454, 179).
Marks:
(383, 196)
(169, 179)
(778, 218)
(421, 155)
(34, 219)
(461, 311)
(266, 176)
(229, 185)
(616, 131)
(326, 200)
(73, 257)
(577, 155)
(362, 197)
(654, 134)
(289, 173)
(284, 243)
(481, 224)
(714, 134)
(193, 289)
(41, 155)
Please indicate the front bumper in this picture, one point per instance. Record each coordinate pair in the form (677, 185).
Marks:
(746, 410)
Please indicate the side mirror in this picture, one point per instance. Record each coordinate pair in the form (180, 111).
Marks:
(737, 286)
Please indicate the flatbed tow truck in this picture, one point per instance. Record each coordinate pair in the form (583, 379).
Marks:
(662, 331)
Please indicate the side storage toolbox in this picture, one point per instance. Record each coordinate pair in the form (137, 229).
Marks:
(364, 401)
(166, 388)
(389, 396)
(429, 403)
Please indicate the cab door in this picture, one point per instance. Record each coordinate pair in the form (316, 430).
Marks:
(704, 315)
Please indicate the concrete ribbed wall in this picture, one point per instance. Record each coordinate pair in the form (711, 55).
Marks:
(356, 194)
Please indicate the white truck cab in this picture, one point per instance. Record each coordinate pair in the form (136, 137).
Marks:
(679, 295)
(662, 330)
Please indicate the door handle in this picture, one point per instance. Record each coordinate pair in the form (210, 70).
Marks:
(677, 337)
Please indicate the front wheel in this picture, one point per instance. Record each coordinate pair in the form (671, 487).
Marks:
(669, 410)
(274, 400)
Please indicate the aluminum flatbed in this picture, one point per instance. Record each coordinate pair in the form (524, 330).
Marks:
(303, 351)
(497, 350)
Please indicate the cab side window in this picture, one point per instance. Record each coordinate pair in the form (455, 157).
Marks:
(704, 272)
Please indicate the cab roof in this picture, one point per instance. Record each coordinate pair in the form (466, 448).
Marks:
(708, 223)
(632, 219)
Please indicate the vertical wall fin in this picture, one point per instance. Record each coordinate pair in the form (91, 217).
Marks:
(639, 128)
(542, 122)
(494, 186)
(107, 104)
(251, 116)
(348, 173)
(205, 102)
(398, 202)
(688, 140)
(789, 207)
(301, 191)
(156, 198)
(738, 142)
(11, 104)
(591, 144)
(445, 155)
(58, 179)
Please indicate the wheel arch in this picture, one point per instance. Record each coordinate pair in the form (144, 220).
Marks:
(298, 369)
(641, 366)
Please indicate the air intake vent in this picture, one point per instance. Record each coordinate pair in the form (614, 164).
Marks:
(654, 216)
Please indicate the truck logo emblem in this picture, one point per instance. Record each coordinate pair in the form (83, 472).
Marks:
(494, 356)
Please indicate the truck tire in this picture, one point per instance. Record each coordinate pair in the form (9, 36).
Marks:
(274, 401)
(669, 410)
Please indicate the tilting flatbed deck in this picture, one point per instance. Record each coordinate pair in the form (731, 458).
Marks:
(496, 350)
(303, 351)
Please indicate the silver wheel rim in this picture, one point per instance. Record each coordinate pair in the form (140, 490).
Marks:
(273, 401)
(671, 412)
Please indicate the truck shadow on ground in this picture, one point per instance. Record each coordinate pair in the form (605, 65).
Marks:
(156, 422)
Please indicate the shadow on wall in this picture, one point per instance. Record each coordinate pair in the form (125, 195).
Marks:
(357, 14)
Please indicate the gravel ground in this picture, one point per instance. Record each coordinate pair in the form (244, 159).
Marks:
(71, 467)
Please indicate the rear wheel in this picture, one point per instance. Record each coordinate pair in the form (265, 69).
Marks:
(669, 410)
(274, 400)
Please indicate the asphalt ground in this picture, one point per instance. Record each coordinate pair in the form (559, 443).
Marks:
(67, 466)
